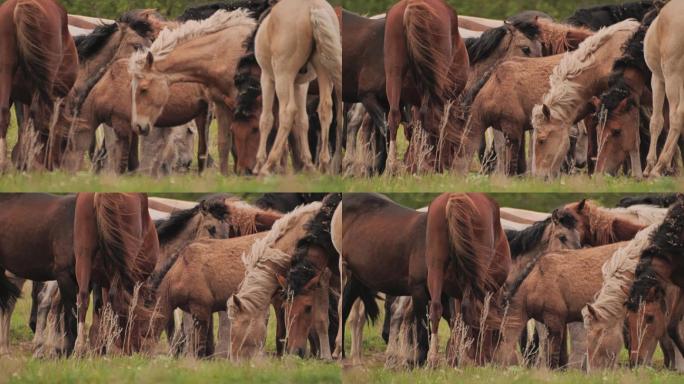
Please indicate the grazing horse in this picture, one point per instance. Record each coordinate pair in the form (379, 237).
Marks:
(466, 251)
(577, 77)
(314, 255)
(664, 54)
(269, 256)
(661, 262)
(289, 61)
(48, 239)
(187, 54)
(38, 64)
(116, 247)
(422, 40)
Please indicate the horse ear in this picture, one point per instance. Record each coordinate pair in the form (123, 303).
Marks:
(149, 60)
(592, 312)
(555, 216)
(546, 111)
(313, 282)
(581, 205)
(282, 281)
(203, 206)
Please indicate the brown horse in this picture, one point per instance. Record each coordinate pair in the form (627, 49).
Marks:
(116, 247)
(315, 254)
(38, 64)
(661, 262)
(424, 50)
(599, 226)
(467, 252)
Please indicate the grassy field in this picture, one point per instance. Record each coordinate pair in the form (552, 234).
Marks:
(20, 367)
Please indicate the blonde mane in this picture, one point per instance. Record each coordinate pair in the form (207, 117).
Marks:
(169, 39)
(243, 216)
(263, 261)
(601, 221)
(618, 275)
(563, 95)
(555, 35)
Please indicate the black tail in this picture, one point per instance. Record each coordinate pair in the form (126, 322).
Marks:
(9, 293)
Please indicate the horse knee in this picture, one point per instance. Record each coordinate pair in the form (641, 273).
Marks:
(435, 312)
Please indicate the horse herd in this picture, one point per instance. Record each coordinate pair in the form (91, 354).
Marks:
(584, 87)
(320, 260)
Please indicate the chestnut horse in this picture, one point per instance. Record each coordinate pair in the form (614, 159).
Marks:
(466, 252)
(661, 262)
(116, 247)
(38, 63)
(422, 41)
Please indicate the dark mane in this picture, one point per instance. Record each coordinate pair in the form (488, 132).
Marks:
(141, 26)
(318, 233)
(526, 239)
(662, 201)
(480, 48)
(667, 243)
(167, 229)
(632, 58)
(90, 44)
(286, 202)
(605, 15)
(202, 12)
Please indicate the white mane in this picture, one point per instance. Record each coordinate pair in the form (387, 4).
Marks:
(563, 95)
(645, 214)
(169, 39)
(263, 260)
(618, 275)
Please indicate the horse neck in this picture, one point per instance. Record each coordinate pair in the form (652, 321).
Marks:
(482, 66)
(90, 67)
(264, 220)
(190, 232)
(608, 228)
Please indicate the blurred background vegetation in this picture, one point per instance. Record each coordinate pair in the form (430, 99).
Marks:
(492, 9)
(110, 9)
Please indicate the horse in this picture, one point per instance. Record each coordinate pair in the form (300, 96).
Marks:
(660, 263)
(578, 76)
(618, 131)
(599, 226)
(48, 238)
(166, 62)
(601, 16)
(661, 200)
(662, 51)
(604, 317)
(204, 11)
(38, 65)
(116, 247)
(288, 64)
(305, 282)
(422, 39)
(270, 255)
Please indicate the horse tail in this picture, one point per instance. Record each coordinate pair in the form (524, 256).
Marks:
(430, 66)
(29, 17)
(368, 296)
(460, 210)
(9, 293)
(511, 290)
(113, 237)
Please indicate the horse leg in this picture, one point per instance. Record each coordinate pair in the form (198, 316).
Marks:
(437, 260)
(338, 352)
(85, 247)
(657, 121)
(674, 88)
(322, 320)
(265, 119)
(285, 89)
(224, 117)
(668, 348)
(281, 329)
(425, 346)
(201, 330)
(6, 316)
(202, 136)
(301, 129)
(223, 346)
(556, 340)
(8, 67)
(133, 159)
(68, 292)
(356, 322)
(325, 106)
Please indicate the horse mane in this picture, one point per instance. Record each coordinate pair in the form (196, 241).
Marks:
(563, 94)
(602, 223)
(167, 229)
(169, 39)
(90, 44)
(242, 216)
(632, 58)
(666, 243)
(523, 241)
(662, 201)
(480, 48)
(248, 85)
(618, 274)
(317, 233)
(140, 25)
(262, 261)
(204, 11)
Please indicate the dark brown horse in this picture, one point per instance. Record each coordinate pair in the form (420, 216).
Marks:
(663, 260)
(36, 243)
(426, 62)
(38, 63)
(467, 252)
(116, 247)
